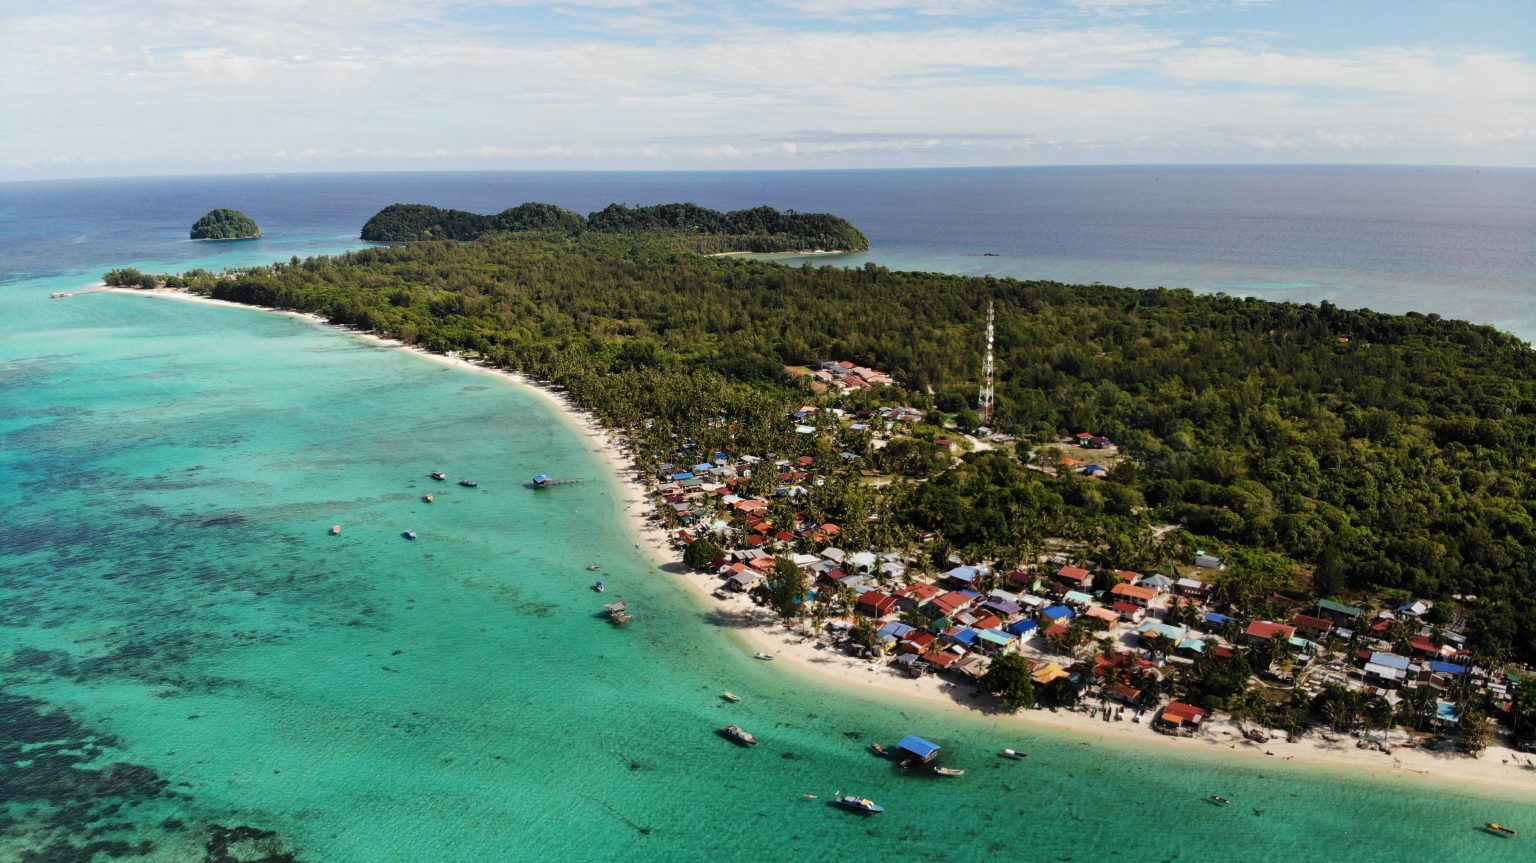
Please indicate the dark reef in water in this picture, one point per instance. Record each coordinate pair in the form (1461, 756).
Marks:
(72, 804)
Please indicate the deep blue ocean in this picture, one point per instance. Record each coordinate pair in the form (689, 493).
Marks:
(193, 668)
(1459, 242)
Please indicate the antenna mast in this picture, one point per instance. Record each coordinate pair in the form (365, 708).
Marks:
(985, 402)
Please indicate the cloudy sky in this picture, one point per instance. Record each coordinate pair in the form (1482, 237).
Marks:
(117, 87)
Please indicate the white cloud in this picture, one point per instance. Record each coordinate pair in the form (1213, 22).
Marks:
(169, 85)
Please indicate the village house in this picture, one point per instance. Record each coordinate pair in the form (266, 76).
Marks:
(1260, 631)
(1071, 578)
(1315, 628)
(877, 604)
(1180, 718)
(1134, 594)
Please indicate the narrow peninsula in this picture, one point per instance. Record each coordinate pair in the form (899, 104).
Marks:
(225, 224)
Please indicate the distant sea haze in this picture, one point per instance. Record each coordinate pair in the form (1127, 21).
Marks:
(1451, 241)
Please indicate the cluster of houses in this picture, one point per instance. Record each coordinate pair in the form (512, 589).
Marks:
(846, 376)
(954, 623)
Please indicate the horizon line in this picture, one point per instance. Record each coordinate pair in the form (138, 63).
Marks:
(816, 170)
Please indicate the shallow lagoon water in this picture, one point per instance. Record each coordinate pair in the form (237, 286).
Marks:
(189, 662)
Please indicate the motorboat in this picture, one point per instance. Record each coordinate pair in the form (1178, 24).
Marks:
(766, 657)
(948, 771)
(1015, 754)
(468, 483)
(879, 750)
(335, 530)
(861, 805)
(1218, 800)
(730, 696)
(593, 567)
(426, 498)
(737, 734)
(408, 534)
(438, 475)
(599, 587)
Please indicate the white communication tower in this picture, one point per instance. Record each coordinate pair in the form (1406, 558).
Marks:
(986, 402)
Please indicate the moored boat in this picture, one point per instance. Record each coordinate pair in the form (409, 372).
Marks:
(542, 481)
(861, 805)
(592, 567)
(730, 696)
(879, 750)
(766, 657)
(948, 771)
(599, 587)
(468, 483)
(438, 475)
(737, 734)
(408, 534)
(1014, 754)
(1498, 829)
(426, 498)
(1218, 800)
(335, 530)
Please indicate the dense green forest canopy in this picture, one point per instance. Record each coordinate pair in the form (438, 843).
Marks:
(760, 229)
(1383, 451)
(225, 224)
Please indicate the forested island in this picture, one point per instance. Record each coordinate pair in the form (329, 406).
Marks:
(695, 228)
(1325, 452)
(225, 224)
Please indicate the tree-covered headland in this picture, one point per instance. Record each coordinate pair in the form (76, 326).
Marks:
(1326, 452)
(760, 229)
(225, 224)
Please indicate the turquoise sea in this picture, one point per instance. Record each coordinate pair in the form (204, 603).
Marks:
(191, 668)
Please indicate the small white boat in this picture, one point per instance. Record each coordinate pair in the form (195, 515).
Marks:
(1015, 754)
(737, 734)
(948, 771)
(592, 567)
(335, 530)
(438, 475)
(730, 696)
(767, 657)
(1218, 800)
(408, 534)
(426, 498)
(861, 805)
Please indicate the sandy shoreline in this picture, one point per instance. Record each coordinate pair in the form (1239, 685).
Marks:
(1498, 769)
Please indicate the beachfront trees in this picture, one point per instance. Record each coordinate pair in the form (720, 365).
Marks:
(785, 589)
(1009, 677)
(864, 632)
(1472, 729)
(702, 552)
(128, 277)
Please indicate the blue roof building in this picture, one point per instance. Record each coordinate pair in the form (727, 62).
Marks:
(923, 750)
(1059, 612)
(1021, 627)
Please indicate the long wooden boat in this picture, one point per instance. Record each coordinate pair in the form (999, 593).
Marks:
(1498, 829)
(948, 771)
